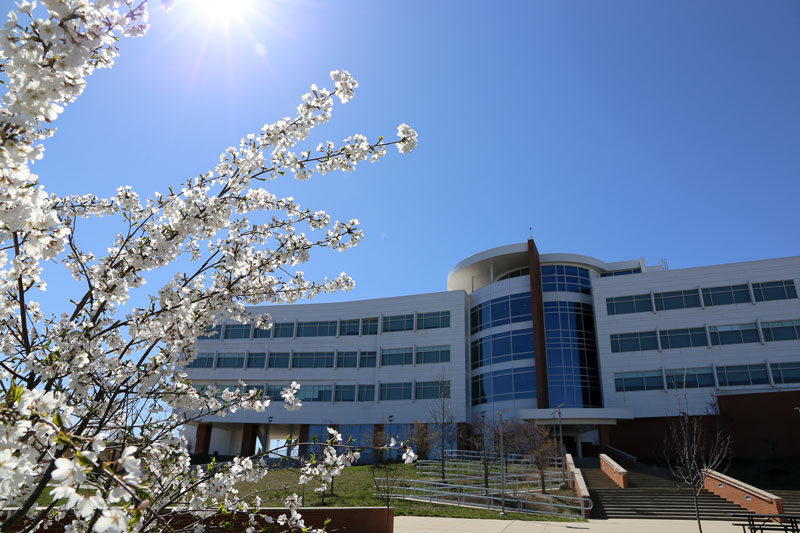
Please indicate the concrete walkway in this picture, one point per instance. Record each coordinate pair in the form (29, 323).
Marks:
(424, 524)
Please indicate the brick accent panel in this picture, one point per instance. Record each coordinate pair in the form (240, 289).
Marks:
(742, 494)
(617, 474)
(579, 483)
(537, 311)
(342, 520)
(202, 438)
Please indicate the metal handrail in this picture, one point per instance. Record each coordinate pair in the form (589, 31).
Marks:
(474, 496)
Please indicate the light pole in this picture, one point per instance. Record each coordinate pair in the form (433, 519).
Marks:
(391, 452)
(560, 439)
(502, 467)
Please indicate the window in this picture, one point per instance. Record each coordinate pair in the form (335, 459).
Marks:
(230, 360)
(315, 393)
(203, 360)
(279, 360)
(366, 393)
(317, 329)
(503, 385)
(367, 359)
(398, 323)
(345, 393)
(635, 381)
(313, 360)
(622, 305)
(683, 338)
(396, 391)
(259, 333)
(433, 354)
(212, 333)
(237, 331)
(349, 327)
(283, 329)
(500, 347)
(689, 378)
(783, 373)
(666, 301)
(256, 360)
(733, 334)
(729, 376)
(565, 278)
(783, 330)
(774, 290)
(346, 359)
(621, 272)
(438, 319)
(526, 271)
(634, 342)
(369, 326)
(432, 390)
(499, 311)
(729, 294)
(397, 356)
(274, 392)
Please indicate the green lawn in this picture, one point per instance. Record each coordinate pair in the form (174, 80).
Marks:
(355, 488)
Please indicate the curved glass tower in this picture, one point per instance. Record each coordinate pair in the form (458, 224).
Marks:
(532, 329)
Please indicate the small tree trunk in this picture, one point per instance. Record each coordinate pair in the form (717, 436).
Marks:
(541, 475)
(697, 510)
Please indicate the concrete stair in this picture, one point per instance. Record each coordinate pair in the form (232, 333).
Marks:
(652, 493)
(791, 500)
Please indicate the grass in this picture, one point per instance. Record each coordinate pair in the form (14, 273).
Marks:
(355, 488)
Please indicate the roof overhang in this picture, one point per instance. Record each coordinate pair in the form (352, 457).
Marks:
(577, 415)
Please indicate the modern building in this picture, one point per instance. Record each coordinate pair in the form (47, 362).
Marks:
(609, 351)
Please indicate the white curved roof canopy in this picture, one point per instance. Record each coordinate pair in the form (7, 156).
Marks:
(485, 267)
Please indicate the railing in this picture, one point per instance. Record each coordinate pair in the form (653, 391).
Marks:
(511, 458)
(617, 474)
(474, 474)
(522, 501)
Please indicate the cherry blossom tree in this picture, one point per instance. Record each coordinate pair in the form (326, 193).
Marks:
(92, 400)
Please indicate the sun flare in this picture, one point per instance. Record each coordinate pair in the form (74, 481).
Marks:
(223, 11)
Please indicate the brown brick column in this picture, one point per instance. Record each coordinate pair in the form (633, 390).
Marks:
(249, 435)
(537, 310)
(202, 438)
(303, 451)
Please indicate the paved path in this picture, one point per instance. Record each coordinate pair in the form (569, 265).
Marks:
(424, 524)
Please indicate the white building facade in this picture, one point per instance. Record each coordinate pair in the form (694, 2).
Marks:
(610, 351)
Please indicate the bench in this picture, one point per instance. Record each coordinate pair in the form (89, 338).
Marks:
(755, 523)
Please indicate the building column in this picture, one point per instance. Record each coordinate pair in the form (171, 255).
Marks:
(202, 438)
(249, 435)
(537, 311)
(303, 452)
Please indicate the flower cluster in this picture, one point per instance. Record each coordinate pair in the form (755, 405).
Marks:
(94, 400)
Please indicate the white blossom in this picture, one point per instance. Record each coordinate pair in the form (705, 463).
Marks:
(96, 397)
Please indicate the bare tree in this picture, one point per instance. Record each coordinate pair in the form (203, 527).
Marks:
(383, 477)
(422, 439)
(693, 445)
(533, 440)
(443, 428)
(482, 439)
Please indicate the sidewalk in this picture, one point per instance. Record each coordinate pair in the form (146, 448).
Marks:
(425, 524)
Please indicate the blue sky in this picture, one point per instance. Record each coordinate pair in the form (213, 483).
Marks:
(616, 129)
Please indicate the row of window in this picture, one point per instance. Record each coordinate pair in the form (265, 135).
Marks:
(565, 278)
(422, 390)
(705, 297)
(332, 328)
(621, 272)
(500, 311)
(690, 378)
(504, 385)
(711, 336)
(363, 359)
(502, 347)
